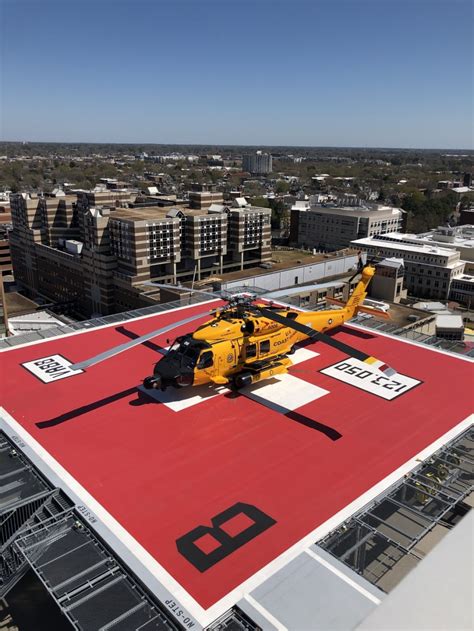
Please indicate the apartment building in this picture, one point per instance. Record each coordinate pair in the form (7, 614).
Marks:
(5, 225)
(5, 256)
(94, 210)
(181, 243)
(258, 163)
(332, 227)
(249, 236)
(94, 250)
(429, 271)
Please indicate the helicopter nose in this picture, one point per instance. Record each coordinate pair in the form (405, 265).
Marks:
(153, 382)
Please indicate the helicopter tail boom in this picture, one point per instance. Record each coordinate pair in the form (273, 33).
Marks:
(378, 313)
(356, 299)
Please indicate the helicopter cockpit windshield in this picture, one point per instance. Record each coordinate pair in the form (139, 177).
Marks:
(187, 349)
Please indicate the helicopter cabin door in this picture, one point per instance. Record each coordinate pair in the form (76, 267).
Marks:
(227, 360)
(205, 368)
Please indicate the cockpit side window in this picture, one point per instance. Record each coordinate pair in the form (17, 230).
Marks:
(174, 346)
(191, 353)
(264, 347)
(250, 351)
(206, 360)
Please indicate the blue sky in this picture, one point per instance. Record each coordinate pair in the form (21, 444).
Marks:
(381, 73)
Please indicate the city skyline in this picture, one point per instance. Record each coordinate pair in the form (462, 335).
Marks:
(342, 74)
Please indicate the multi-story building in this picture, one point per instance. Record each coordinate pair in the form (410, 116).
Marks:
(462, 290)
(202, 196)
(387, 283)
(249, 236)
(466, 216)
(5, 226)
(204, 199)
(429, 271)
(258, 163)
(5, 256)
(145, 243)
(460, 238)
(40, 226)
(94, 209)
(332, 227)
(183, 242)
(96, 250)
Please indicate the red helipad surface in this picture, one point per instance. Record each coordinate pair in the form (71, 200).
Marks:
(162, 473)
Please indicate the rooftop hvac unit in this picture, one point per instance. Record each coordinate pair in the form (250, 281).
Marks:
(74, 247)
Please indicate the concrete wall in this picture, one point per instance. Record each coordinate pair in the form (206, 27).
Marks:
(304, 273)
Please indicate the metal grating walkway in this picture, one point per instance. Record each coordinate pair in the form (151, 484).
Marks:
(39, 528)
(388, 534)
(234, 620)
(87, 582)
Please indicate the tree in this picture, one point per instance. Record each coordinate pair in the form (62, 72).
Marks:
(278, 212)
(425, 213)
(282, 187)
(465, 203)
(261, 201)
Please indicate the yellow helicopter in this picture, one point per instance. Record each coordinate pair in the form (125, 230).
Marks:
(247, 341)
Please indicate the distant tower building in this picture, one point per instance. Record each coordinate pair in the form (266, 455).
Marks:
(257, 163)
(467, 179)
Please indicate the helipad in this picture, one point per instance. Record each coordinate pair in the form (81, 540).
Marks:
(205, 494)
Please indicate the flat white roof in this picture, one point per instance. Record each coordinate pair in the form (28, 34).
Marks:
(435, 238)
(449, 322)
(466, 278)
(422, 248)
(363, 210)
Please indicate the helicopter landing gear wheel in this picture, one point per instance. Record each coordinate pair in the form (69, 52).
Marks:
(292, 351)
(241, 380)
(152, 383)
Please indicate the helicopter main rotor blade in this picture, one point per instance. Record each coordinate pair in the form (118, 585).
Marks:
(278, 304)
(330, 341)
(300, 289)
(188, 289)
(360, 267)
(111, 352)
